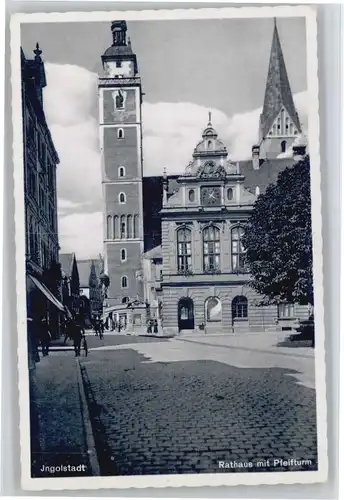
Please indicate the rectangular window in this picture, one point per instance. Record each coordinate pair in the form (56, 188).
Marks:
(184, 250)
(238, 251)
(211, 249)
(285, 311)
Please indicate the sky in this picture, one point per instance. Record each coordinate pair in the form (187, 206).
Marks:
(187, 67)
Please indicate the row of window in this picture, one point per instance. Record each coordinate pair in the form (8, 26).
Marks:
(122, 227)
(41, 253)
(211, 249)
(39, 147)
(213, 309)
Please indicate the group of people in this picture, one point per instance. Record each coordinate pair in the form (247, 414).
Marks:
(152, 326)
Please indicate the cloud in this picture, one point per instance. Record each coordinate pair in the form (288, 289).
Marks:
(82, 233)
(69, 101)
(172, 130)
(170, 133)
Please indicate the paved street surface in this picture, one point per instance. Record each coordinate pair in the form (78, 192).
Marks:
(163, 406)
(57, 428)
(181, 406)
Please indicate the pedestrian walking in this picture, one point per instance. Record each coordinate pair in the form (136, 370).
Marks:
(155, 326)
(101, 329)
(45, 336)
(68, 330)
(78, 335)
(97, 326)
(149, 326)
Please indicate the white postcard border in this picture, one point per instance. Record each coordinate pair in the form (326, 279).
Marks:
(185, 480)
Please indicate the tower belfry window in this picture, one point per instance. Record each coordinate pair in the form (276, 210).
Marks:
(120, 133)
(119, 100)
(283, 146)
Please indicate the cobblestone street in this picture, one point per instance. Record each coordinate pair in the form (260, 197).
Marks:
(182, 406)
(158, 406)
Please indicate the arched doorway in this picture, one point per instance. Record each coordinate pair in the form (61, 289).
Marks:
(239, 309)
(186, 319)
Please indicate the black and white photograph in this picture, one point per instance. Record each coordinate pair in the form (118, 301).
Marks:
(168, 248)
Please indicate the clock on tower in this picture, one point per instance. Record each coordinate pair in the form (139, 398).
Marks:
(211, 196)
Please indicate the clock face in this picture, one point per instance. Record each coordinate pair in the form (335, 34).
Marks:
(211, 196)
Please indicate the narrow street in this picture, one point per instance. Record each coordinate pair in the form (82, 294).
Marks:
(161, 406)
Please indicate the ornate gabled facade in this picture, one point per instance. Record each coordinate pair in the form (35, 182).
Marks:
(203, 258)
(279, 122)
(205, 282)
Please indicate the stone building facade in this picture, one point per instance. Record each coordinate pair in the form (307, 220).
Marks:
(40, 161)
(41, 231)
(205, 282)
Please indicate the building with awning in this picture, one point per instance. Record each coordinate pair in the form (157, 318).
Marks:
(47, 293)
(40, 160)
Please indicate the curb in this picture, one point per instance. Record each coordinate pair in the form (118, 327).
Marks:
(243, 348)
(90, 443)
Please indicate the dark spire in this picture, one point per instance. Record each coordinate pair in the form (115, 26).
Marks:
(277, 92)
(119, 33)
(37, 53)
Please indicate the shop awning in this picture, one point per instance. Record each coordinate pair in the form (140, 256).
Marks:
(47, 293)
(67, 311)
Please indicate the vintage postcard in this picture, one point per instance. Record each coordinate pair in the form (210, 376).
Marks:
(168, 248)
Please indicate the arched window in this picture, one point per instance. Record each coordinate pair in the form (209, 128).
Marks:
(184, 249)
(123, 255)
(122, 198)
(257, 190)
(123, 229)
(115, 227)
(120, 133)
(125, 300)
(124, 282)
(213, 309)
(121, 172)
(210, 144)
(283, 146)
(129, 226)
(191, 195)
(109, 227)
(211, 249)
(239, 307)
(230, 194)
(238, 251)
(119, 100)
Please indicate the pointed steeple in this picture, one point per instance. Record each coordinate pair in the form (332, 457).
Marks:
(277, 93)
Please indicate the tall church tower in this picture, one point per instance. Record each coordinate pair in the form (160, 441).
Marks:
(120, 99)
(279, 122)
